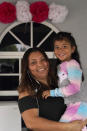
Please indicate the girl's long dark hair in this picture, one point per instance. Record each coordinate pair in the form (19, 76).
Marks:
(28, 82)
(68, 37)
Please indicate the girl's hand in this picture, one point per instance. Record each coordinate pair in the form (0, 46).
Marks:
(45, 94)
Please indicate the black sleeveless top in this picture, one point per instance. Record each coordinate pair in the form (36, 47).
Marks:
(51, 108)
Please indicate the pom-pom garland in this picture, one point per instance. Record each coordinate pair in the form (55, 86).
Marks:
(38, 12)
(57, 13)
(22, 11)
(7, 12)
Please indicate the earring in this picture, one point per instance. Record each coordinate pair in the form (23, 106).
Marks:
(29, 75)
(34, 81)
(54, 55)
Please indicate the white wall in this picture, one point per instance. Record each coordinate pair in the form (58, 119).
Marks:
(76, 22)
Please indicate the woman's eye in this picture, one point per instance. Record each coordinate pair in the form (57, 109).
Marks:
(33, 63)
(43, 59)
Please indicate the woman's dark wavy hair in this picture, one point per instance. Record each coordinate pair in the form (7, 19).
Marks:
(28, 82)
(68, 37)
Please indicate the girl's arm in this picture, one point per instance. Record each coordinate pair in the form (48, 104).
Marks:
(36, 123)
(75, 80)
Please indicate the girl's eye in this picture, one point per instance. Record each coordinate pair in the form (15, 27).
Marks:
(64, 46)
(56, 47)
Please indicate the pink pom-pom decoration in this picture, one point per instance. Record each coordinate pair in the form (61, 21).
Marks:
(57, 13)
(23, 12)
(7, 12)
(39, 11)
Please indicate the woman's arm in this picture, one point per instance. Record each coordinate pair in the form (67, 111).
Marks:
(36, 123)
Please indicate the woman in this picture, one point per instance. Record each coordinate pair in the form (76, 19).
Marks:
(41, 114)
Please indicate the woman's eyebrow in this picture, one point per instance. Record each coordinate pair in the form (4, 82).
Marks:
(34, 59)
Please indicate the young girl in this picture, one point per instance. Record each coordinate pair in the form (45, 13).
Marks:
(70, 76)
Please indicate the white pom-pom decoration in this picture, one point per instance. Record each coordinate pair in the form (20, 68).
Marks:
(22, 11)
(57, 13)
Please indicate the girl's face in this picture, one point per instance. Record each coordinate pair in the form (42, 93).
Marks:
(63, 50)
(38, 65)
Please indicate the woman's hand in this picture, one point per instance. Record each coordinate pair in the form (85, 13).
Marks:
(85, 122)
(77, 125)
(45, 94)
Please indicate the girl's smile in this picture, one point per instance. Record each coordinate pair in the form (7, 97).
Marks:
(63, 50)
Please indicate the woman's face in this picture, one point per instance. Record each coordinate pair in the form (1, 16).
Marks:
(38, 65)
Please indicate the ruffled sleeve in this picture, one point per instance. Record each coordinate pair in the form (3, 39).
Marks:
(26, 103)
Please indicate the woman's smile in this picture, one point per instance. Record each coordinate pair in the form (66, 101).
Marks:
(38, 65)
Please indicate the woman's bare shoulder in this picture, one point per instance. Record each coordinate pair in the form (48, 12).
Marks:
(23, 94)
